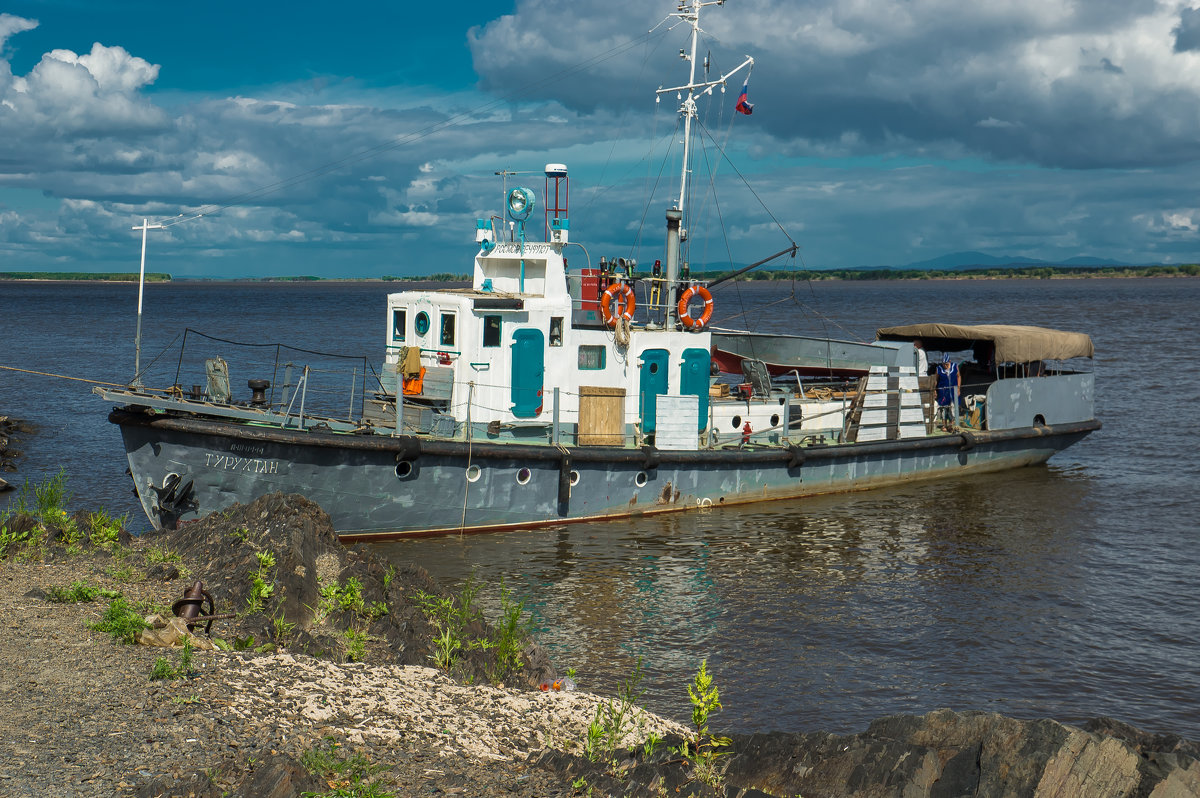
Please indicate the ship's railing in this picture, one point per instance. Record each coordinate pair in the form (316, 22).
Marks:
(324, 384)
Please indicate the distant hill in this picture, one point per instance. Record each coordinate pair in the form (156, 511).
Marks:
(969, 260)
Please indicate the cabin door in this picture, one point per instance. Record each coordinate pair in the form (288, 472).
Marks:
(528, 370)
(653, 383)
(694, 379)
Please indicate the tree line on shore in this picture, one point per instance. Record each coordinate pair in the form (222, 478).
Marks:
(1042, 272)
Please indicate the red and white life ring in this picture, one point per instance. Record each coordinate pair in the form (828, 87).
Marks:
(626, 303)
(685, 316)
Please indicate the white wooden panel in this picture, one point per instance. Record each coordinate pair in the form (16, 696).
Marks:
(873, 417)
(872, 434)
(676, 420)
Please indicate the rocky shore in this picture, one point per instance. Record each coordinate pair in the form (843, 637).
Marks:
(322, 681)
(10, 431)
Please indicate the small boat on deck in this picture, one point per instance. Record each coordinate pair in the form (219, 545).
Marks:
(805, 356)
(546, 394)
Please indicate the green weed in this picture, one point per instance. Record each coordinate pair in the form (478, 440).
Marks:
(106, 529)
(162, 670)
(77, 592)
(155, 555)
(350, 771)
(705, 699)
(450, 615)
(702, 753)
(509, 635)
(124, 573)
(347, 597)
(614, 719)
(11, 540)
(282, 629)
(356, 645)
(121, 621)
(445, 649)
(262, 582)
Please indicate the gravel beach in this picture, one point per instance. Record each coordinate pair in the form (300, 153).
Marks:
(79, 714)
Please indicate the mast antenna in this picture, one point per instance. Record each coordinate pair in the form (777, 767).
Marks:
(689, 12)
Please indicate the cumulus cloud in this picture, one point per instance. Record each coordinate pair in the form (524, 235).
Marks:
(95, 92)
(930, 122)
(11, 24)
(1096, 84)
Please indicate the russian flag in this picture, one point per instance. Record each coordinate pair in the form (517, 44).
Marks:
(743, 106)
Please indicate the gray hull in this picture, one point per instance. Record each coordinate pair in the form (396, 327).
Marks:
(377, 487)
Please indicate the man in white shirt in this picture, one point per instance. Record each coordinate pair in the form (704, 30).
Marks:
(922, 358)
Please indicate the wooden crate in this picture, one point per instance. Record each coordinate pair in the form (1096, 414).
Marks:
(601, 416)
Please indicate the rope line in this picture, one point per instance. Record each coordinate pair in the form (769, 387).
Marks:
(64, 377)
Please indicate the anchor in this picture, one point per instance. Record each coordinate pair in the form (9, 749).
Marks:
(174, 499)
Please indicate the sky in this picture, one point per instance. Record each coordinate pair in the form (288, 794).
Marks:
(362, 139)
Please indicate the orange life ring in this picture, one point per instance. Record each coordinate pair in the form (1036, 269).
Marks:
(626, 303)
(685, 316)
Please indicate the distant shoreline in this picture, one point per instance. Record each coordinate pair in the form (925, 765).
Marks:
(833, 275)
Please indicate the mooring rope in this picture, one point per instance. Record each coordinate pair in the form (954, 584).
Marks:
(64, 377)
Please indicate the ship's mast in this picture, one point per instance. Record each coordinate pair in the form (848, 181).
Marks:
(689, 12)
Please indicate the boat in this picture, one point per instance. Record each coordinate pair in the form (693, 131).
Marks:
(545, 394)
(803, 355)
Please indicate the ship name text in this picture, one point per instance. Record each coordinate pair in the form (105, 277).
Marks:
(250, 465)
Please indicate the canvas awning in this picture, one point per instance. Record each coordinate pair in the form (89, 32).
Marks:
(1013, 343)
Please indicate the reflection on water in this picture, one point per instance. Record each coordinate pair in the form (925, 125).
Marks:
(818, 613)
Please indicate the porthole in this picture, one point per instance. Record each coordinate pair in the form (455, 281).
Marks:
(737, 422)
(523, 476)
(404, 469)
(574, 478)
(775, 420)
(421, 323)
(640, 479)
(473, 473)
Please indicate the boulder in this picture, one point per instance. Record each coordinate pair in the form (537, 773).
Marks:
(943, 754)
(946, 753)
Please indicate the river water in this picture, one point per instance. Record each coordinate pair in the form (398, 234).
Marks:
(1066, 591)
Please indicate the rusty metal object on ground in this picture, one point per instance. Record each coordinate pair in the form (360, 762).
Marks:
(190, 607)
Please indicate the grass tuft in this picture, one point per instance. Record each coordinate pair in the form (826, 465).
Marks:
(121, 620)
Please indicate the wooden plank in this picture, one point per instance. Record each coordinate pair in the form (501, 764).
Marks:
(602, 416)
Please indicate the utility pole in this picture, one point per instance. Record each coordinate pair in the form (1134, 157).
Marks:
(137, 357)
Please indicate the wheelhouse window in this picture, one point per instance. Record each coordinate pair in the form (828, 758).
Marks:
(591, 358)
(491, 331)
(556, 331)
(447, 335)
(399, 320)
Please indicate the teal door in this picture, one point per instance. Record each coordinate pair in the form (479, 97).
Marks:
(694, 378)
(528, 371)
(653, 382)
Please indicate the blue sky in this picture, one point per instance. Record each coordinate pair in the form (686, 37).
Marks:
(361, 139)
